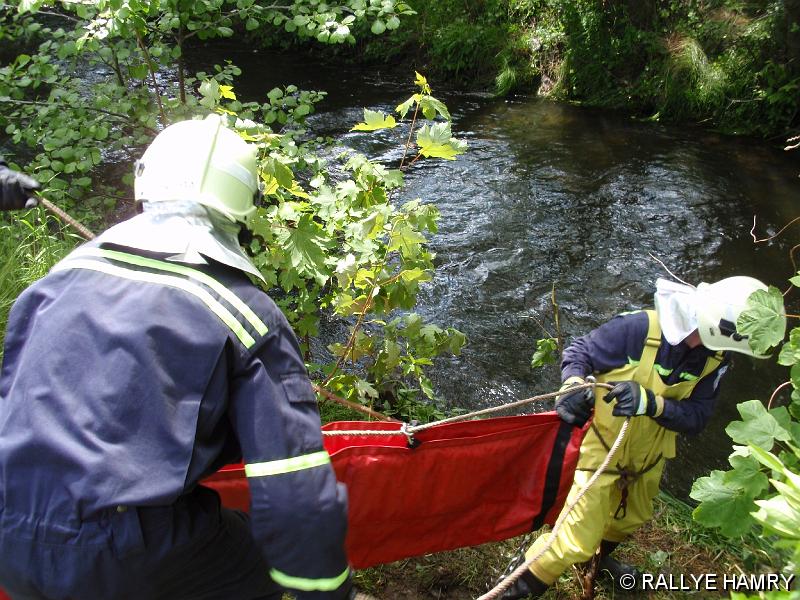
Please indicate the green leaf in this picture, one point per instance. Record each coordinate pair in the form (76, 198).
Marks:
(346, 269)
(138, 71)
(778, 518)
(747, 474)
(757, 427)
(768, 459)
(279, 171)
(406, 106)
(407, 240)
(415, 275)
(378, 27)
(29, 6)
(251, 24)
(763, 320)
(430, 107)
(365, 389)
(790, 352)
(546, 352)
(306, 246)
(723, 505)
(420, 80)
(435, 141)
(374, 120)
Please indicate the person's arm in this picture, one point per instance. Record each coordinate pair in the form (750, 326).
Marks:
(692, 414)
(16, 189)
(298, 510)
(605, 348)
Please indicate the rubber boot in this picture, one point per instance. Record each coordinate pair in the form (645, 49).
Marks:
(527, 586)
(615, 568)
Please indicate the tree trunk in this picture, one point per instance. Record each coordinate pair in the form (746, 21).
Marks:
(792, 9)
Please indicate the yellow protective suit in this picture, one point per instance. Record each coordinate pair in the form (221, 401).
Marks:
(636, 467)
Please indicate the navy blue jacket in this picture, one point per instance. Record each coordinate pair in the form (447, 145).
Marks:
(125, 384)
(610, 347)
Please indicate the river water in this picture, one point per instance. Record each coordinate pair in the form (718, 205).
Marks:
(555, 196)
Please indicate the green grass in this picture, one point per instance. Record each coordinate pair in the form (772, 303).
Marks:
(30, 243)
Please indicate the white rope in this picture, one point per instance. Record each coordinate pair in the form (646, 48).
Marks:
(336, 432)
(412, 429)
(517, 573)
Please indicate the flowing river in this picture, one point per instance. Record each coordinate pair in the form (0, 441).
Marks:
(557, 197)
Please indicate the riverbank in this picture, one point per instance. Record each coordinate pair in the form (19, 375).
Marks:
(731, 65)
(672, 544)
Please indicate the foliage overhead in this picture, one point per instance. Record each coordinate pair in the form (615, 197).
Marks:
(338, 252)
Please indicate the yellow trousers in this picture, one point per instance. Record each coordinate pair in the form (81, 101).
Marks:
(642, 453)
(596, 516)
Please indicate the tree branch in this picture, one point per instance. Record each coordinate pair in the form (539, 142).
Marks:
(772, 237)
(775, 393)
(125, 118)
(667, 270)
(152, 68)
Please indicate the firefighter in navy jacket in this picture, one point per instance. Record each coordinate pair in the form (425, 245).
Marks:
(665, 366)
(142, 363)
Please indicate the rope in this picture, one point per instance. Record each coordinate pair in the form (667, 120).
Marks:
(412, 429)
(66, 218)
(352, 405)
(517, 573)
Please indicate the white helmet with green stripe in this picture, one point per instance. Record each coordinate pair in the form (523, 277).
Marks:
(200, 161)
(718, 308)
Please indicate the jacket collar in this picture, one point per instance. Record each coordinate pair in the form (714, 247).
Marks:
(188, 232)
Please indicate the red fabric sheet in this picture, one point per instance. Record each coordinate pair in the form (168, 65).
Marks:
(465, 484)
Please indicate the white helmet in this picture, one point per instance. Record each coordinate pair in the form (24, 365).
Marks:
(202, 161)
(718, 308)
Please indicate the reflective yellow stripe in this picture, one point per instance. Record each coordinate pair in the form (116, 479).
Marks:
(223, 313)
(309, 585)
(663, 371)
(689, 377)
(287, 465)
(215, 285)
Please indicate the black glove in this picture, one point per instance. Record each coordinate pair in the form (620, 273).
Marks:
(575, 407)
(16, 189)
(634, 399)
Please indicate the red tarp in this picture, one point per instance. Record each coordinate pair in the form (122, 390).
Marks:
(466, 483)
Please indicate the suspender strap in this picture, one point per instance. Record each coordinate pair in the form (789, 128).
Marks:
(651, 345)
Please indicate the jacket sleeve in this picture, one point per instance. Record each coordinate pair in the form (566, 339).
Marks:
(691, 414)
(298, 510)
(607, 347)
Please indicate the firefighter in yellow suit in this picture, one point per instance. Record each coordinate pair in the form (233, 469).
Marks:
(665, 366)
